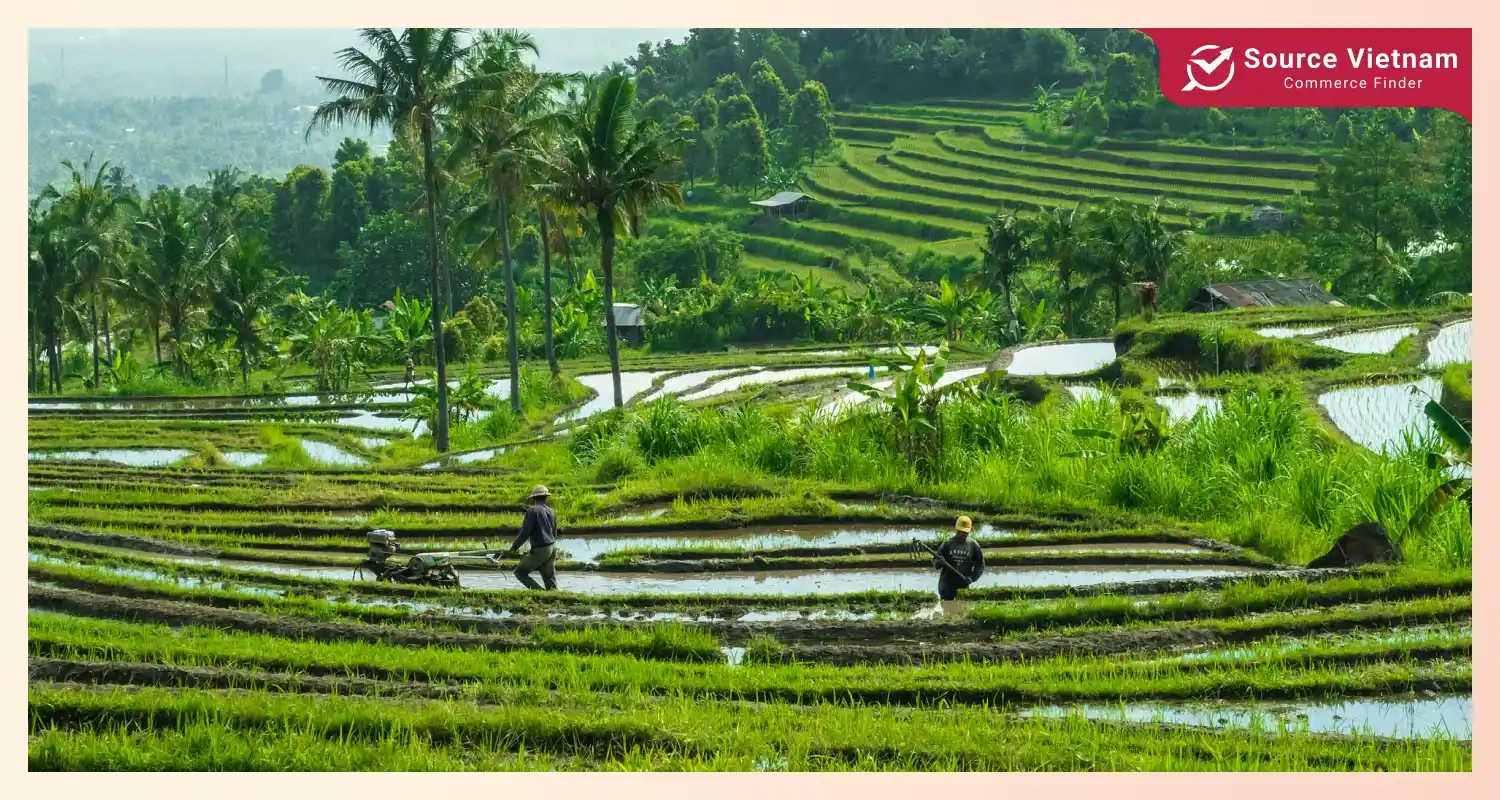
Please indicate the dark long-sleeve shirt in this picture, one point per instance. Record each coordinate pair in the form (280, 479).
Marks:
(965, 555)
(539, 526)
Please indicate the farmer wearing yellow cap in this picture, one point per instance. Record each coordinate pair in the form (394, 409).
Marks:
(539, 526)
(964, 561)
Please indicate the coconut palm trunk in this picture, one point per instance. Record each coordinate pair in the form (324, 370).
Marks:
(547, 293)
(607, 263)
(94, 335)
(439, 436)
(109, 345)
(503, 225)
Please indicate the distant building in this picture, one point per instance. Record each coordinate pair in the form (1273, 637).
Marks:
(785, 204)
(1255, 294)
(628, 322)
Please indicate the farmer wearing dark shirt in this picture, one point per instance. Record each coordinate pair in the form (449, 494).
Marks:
(964, 555)
(540, 528)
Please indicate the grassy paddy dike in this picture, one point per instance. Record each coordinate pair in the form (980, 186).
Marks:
(738, 549)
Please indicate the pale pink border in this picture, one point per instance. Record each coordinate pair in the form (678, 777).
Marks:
(736, 13)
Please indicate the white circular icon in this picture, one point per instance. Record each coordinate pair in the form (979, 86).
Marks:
(1208, 67)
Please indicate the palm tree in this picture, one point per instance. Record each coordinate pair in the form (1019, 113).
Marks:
(610, 166)
(1006, 249)
(248, 285)
(171, 278)
(507, 110)
(1108, 251)
(1153, 245)
(97, 239)
(49, 273)
(1064, 237)
(409, 83)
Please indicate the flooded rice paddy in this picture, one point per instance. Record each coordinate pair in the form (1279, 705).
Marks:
(678, 384)
(1289, 331)
(1453, 344)
(772, 376)
(130, 457)
(1068, 358)
(631, 384)
(325, 453)
(1377, 340)
(1382, 417)
(1409, 718)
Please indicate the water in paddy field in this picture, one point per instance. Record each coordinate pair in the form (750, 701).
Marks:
(244, 459)
(592, 548)
(377, 422)
(631, 384)
(1379, 417)
(1181, 408)
(1292, 330)
(1454, 344)
(1082, 394)
(464, 458)
(1378, 340)
(143, 457)
(774, 376)
(795, 582)
(373, 443)
(1068, 358)
(148, 404)
(1412, 718)
(681, 383)
(325, 453)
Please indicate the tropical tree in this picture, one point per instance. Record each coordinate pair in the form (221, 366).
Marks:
(49, 273)
(172, 277)
(1152, 244)
(1064, 238)
(1006, 249)
(245, 289)
(409, 81)
(96, 240)
(507, 111)
(1108, 252)
(406, 327)
(334, 340)
(609, 166)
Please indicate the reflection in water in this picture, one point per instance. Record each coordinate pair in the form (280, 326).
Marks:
(1069, 358)
(1454, 344)
(1379, 340)
(1381, 417)
(631, 384)
(1292, 330)
(1416, 718)
(131, 457)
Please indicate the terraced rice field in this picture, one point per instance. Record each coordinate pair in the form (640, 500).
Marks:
(193, 618)
(916, 176)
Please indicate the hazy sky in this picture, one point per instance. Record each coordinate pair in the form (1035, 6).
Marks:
(191, 61)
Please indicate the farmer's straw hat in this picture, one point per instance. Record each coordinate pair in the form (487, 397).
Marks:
(963, 524)
(540, 491)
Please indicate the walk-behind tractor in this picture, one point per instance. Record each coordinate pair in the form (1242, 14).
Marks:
(428, 569)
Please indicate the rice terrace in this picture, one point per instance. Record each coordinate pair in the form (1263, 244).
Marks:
(856, 400)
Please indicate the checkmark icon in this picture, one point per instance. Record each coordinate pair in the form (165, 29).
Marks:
(1210, 66)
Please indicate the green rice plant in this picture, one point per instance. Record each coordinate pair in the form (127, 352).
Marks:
(794, 737)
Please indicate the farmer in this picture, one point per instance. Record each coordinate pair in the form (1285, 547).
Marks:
(964, 555)
(540, 527)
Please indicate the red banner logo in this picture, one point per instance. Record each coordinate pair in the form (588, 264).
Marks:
(1317, 67)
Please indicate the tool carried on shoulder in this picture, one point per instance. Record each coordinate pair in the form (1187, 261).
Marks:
(918, 546)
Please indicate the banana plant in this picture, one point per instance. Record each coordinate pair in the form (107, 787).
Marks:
(1460, 457)
(1138, 432)
(912, 398)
